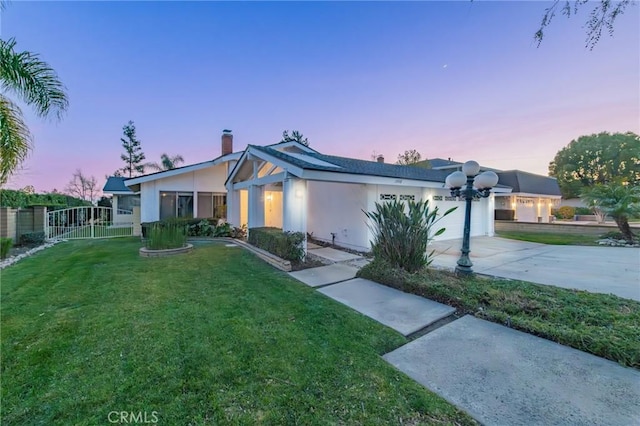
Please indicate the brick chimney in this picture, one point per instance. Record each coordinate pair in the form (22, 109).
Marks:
(227, 142)
(380, 158)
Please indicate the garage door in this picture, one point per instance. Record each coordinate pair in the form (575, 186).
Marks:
(454, 222)
(526, 210)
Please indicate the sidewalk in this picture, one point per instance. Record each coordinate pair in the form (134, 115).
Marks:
(498, 375)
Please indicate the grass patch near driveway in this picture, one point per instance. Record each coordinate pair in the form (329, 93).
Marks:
(551, 238)
(211, 337)
(604, 325)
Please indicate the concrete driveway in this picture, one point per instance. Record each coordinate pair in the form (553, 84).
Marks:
(613, 270)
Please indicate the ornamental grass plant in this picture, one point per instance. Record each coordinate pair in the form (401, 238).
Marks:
(402, 232)
(165, 237)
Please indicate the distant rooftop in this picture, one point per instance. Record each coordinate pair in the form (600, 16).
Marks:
(116, 184)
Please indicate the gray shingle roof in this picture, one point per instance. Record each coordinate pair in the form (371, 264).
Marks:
(115, 184)
(359, 167)
(441, 162)
(529, 183)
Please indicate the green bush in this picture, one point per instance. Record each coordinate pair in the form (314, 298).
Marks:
(166, 236)
(401, 238)
(616, 235)
(287, 245)
(17, 198)
(5, 246)
(239, 232)
(195, 226)
(584, 211)
(32, 238)
(201, 229)
(223, 230)
(565, 212)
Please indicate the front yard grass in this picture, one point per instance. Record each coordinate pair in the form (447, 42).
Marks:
(550, 238)
(212, 337)
(604, 325)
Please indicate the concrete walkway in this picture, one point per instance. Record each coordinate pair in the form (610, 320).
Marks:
(614, 270)
(498, 375)
(405, 313)
(501, 376)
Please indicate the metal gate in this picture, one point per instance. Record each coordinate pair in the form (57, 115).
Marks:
(86, 222)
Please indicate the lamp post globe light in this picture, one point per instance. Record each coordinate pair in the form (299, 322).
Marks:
(469, 185)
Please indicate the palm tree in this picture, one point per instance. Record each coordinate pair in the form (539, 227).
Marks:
(166, 163)
(618, 201)
(34, 82)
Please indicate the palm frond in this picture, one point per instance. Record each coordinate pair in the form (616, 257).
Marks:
(15, 138)
(32, 80)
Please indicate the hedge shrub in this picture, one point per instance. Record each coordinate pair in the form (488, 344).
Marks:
(198, 227)
(32, 238)
(565, 212)
(5, 246)
(287, 245)
(583, 211)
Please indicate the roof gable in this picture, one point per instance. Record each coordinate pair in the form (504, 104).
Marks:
(184, 169)
(317, 161)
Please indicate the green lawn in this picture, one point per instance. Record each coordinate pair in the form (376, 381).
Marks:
(550, 238)
(212, 337)
(602, 324)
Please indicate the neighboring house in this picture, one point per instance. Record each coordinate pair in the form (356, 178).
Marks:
(123, 201)
(532, 197)
(296, 188)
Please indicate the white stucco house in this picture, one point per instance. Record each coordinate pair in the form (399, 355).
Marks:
(296, 188)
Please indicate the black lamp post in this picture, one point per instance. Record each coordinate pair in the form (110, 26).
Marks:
(477, 186)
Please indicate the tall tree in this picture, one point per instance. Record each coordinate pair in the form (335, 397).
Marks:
(619, 201)
(166, 163)
(409, 157)
(597, 159)
(602, 16)
(83, 187)
(133, 155)
(33, 81)
(295, 136)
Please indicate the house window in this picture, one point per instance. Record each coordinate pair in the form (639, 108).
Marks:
(128, 202)
(212, 204)
(176, 204)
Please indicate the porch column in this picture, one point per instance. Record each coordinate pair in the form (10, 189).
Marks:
(490, 214)
(135, 217)
(233, 207)
(256, 206)
(294, 207)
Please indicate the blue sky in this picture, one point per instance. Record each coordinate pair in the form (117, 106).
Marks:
(450, 79)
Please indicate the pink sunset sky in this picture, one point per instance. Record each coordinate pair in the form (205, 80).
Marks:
(451, 79)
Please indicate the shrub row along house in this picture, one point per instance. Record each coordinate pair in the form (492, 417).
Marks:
(294, 187)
